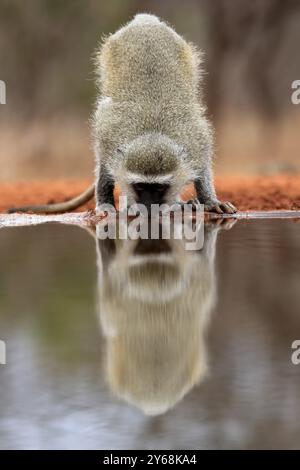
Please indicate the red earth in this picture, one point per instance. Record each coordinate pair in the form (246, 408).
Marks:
(245, 192)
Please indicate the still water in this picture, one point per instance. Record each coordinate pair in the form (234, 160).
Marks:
(130, 345)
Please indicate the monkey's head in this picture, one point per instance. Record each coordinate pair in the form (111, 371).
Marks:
(152, 170)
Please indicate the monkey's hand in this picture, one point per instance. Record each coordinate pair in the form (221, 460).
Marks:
(220, 207)
(213, 206)
(194, 203)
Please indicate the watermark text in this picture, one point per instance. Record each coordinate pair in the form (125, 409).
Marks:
(2, 352)
(2, 92)
(295, 96)
(295, 357)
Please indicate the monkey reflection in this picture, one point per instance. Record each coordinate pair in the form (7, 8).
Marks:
(155, 300)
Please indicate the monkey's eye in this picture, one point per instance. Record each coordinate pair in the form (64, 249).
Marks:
(139, 187)
(150, 188)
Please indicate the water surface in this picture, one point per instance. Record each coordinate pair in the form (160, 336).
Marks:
(144, 346)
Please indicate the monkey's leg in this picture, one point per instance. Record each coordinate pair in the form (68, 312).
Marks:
(104, 188)
(206, 195)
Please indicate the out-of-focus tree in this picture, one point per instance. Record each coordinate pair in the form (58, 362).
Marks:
(251, 48)
(253, 54)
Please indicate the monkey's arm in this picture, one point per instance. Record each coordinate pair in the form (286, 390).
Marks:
(206, 194)
(105, 187)
(59, 207)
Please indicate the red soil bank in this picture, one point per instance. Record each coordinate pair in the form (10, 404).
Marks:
(247, 193)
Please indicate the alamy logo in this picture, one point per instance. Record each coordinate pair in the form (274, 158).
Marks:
(137, 221)
(295, 357)
(295, 97)
(2, 92)
(2, 352)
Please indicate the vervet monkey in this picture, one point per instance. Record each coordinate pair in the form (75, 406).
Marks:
(151, 136)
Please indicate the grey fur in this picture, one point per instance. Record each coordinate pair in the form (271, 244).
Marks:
(149, 120)
(149, 123)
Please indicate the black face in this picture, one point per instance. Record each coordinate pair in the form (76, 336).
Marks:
(150, 193)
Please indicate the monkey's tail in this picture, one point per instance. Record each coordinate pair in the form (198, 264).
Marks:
(59, 207)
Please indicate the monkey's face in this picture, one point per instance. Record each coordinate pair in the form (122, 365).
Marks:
(152, 170)
(150, 193)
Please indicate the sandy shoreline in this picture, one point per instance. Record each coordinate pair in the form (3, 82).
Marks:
(248, 193)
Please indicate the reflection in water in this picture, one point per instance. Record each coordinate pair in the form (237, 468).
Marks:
(155, 300)
(53, 389)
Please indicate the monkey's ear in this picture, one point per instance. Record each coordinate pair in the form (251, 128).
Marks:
(120, 152)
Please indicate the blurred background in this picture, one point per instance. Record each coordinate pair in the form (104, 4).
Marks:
(252, 58)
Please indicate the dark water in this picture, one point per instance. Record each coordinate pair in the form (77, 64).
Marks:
(109, 347)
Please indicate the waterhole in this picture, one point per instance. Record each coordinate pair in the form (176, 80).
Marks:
(116, 345)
